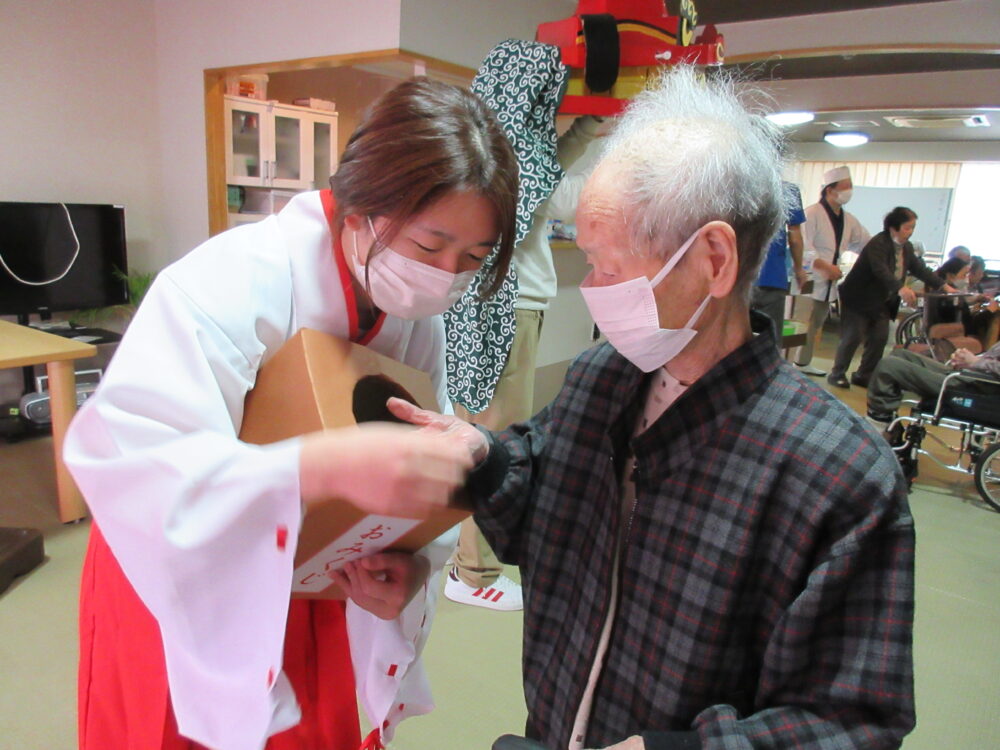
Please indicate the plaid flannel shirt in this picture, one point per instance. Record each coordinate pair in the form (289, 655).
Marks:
(766, 579)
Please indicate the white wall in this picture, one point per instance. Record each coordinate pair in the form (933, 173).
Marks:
(79, 91)
(192, 35)
(463, 32)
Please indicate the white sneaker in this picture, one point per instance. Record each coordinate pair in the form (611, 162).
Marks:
(502, 595)
(810, 370)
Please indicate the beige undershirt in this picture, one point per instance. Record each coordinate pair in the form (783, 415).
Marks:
(900, 268)
(663, 391)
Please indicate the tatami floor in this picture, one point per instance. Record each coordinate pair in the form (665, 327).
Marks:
(473, 656)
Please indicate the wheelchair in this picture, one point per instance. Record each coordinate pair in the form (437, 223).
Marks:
(910, 328)
(934, 309)
(971, 413)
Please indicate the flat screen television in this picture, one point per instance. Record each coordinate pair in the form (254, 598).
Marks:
(61, 256)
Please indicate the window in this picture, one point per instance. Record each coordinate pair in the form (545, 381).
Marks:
(973, 212)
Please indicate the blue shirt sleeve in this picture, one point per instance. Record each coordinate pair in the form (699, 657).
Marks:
(796, 215)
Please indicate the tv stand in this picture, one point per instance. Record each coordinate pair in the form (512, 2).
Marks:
(67, 330)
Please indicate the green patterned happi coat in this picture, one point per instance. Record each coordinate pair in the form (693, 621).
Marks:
(523, 83)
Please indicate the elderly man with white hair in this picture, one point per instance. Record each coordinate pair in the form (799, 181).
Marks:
(715, 552)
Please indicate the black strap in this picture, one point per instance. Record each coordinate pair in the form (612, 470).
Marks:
(600, 36)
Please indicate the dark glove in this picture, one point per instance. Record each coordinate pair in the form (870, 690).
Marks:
(513, 742)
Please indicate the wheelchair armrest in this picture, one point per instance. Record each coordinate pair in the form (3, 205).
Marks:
(977, 376)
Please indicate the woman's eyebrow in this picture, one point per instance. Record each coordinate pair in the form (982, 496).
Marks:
(450, 237)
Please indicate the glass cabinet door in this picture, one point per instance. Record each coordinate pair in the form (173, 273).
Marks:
(324, 151)
(288, 142)
(246, 134)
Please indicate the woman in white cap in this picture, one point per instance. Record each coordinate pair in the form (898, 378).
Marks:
(829, 232)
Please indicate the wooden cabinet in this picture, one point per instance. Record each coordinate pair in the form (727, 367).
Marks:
(272, 145)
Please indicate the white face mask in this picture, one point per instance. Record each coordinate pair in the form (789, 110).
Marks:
(407, 288)
(844, 196)
(626, 313)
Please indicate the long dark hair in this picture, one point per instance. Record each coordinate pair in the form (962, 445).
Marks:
(419, 142)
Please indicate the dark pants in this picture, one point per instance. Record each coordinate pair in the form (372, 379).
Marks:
(854, 329)
(904, 370)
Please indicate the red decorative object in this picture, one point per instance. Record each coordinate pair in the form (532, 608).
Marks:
(643, 38)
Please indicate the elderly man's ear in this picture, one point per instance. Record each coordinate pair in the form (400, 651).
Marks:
(718, 242)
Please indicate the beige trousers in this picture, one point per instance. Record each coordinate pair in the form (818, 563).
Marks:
(475, 562)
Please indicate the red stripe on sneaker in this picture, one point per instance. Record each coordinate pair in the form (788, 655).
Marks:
(477, 592)
(498, 595)
(488, 594)
(392, 670)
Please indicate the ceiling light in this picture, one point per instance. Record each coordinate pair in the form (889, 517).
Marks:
(846, 140)
(787, 119)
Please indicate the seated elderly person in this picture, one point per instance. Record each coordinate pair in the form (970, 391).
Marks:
(714, 551)
(982, 307)
(904, 370)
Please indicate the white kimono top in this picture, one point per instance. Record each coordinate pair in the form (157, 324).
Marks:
(190, 512)
(819, 241)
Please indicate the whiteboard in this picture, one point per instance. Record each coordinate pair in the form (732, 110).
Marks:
(932, 206)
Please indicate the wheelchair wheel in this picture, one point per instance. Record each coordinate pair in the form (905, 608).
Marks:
(910, 328)
(988, 476)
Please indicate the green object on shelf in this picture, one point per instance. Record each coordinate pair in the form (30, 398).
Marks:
(788, 329)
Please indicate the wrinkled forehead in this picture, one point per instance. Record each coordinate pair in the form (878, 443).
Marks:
(602, 220)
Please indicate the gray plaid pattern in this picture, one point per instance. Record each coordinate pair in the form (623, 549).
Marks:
(767, 573)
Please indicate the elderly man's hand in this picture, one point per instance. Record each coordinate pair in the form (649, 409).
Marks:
(962, 358)
(458, 431)
(908, 296)
(632, 743)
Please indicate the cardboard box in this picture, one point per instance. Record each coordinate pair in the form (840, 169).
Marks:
(317, 381)
(313, 103)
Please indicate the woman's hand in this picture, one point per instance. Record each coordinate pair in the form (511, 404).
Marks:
(383, 469)
(383, 583)
(458, 431)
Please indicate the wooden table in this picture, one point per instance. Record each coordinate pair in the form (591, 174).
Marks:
(21, 346)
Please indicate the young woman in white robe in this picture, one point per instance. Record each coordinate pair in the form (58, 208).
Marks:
(188, 635)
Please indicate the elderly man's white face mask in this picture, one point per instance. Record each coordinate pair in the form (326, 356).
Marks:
(626, 313)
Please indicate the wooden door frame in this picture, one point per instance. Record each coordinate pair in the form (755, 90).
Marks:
(215, 89)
